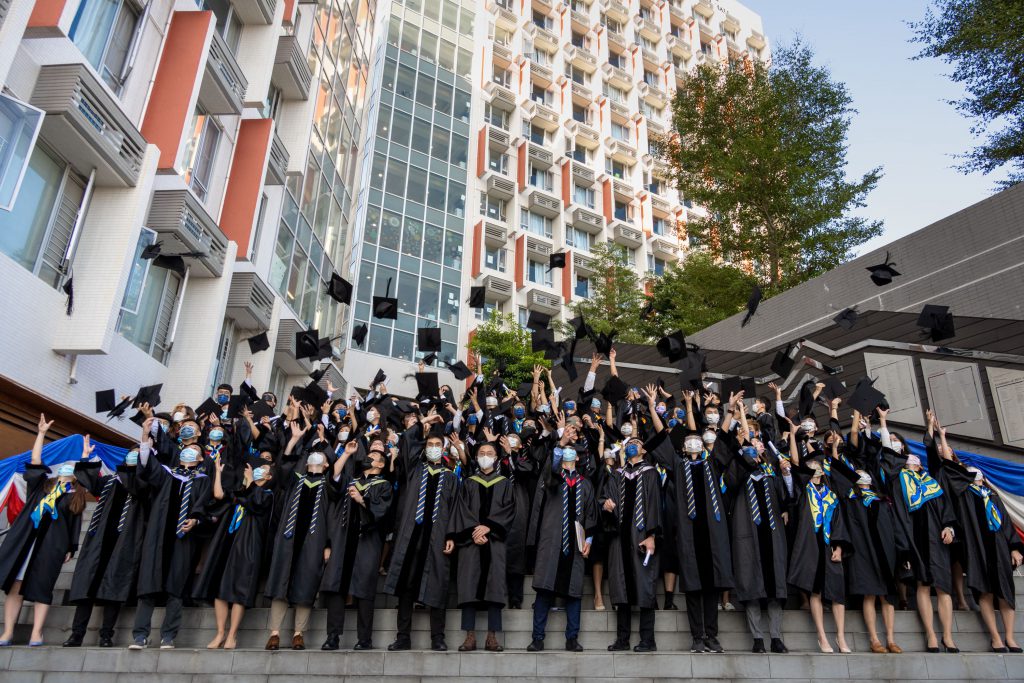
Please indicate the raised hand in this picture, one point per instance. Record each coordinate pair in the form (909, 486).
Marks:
(87, 447)
(43, 425)
(248, 369)
(777, 389)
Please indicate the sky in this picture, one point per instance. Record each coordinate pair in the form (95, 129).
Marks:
(904, 121)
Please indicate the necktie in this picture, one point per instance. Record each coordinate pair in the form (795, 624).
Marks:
(437, 496)
(768, 505)
(691, 501)
(712, 491)
(108, 487)
(293, 509)
(124, 513)
(565, 517)
(755, 509)
(422, 501)
(638, 506)
(316, 506)
(186, 495)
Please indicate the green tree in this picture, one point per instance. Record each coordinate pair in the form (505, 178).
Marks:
(501, 341)
(698, 292)
(984, 42)
(763, 148)
(616, 298)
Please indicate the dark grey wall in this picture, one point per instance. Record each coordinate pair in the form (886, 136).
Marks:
(972, 261)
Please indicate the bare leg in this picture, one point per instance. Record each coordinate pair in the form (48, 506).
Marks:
(12, 608)
(925, 611)
(986, 604)
(39, 621)
(889, 619)
(220, 612)
(946, 617)
(817, 614)
(839, 616)
(868, 607)
(1008, 614)
(237, 612)
(670, 582)
(958, 586)
(598, 579)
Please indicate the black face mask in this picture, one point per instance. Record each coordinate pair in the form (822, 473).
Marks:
(527, 431)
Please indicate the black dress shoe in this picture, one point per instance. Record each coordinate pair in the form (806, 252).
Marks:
(400, 644)
(573, 645)
(535, 646)
(646, 647)
(515, 604)
(363, 645)
(713, 645)
(758, 646)
(106, 641)
(619, 645)
(778, 646)
(698, 645)
(331, 643)
(933, 650)
(439, 646)
(1015, 650)
(1003, 650)
(74, 640)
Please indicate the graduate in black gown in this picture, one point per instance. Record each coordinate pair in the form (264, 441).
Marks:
(632, 493)
(42, 537)
(522, 455)
(419, 565)
(234, 560)
(564, 499)
(179, 495)
(479, 527)
(111, 548)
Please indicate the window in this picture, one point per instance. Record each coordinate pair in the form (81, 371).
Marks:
(620, 132)
(544, 22)
(501, 76)
(496, 117)
(150, 303)
(485, 313)
(651, 78)
(579, 39)
(535, 223)
(584, 196)
(612, 24)
(541, 179)
(582, 287)
(540, 95)
(495, 259)
(660, 226)
(200, 153)
(622, 211)
(656, 186)
(19, 127)
(36, 232)
(577, 238)
(617, 60)
(492, 208)
(229, 26)
(105, 31)
(655, 265)
(534, 133)
(539, 57)
(577, 74)
(581, 113)
(615, 94)
(538, 273)
(498, 162)
(616, 169)
(577, 152)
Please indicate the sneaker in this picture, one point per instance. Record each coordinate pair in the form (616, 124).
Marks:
(139, 644)
(698, 645)
(729, 607)
(713, 645)
(166, 644)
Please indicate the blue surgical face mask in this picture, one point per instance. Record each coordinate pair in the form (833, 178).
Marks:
(341, 412)
(188, 455)
(749, 452)
(259, 473)
(472, 419)
(660, 410)
(545, 408)
(223, 399)
(519, 412)
(216, 434)
(66, 470)
(632, 450)
(569, 454)
(595, 404)
(673, 422)
(187, 432)
(570, 405)
(132, 458)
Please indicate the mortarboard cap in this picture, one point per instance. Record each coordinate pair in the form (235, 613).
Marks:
(833, 388)
(938, 321)
(604, 342)
(477, 296)
(614, 389)
(151, 251)
(460, 370)
(378, 379)
(304, 395)
(319, 373)
(250, 393)
(150, 395)
(538, 320)
(673, 346)
(690, 371)
(138, 418)
(175, 263)
(734, 385)
(865, 398)
(846, 319)
(542, 339)
(428, 339)
(359, 333)
(426, 384)
(208, 407)
(429, 358)
(261, 409)
(258, 343)
(580, 328)
(118, 410)
(806, 398)
(568, 363)
(556, 260)
(236, 404)
(339, 289)
(883, 273)
(752, 303)
(324, 348)
(525, 389)
(106, 400)
(385, 307)
(307, 344)
(317, 393)
(784, 360)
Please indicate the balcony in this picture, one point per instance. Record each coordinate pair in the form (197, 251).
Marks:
(250, 301)
(581, 174)
(655, 129)
(224, 84)
(502, 54)
(284, 350)
(680, 74)
(543, 302)
(662, 248)
(620, 78)
(581, 94)
(581, 58)
(586, 220)
(277, 167)
(498, 138)
(542, 6)
(541, 115)
(540, 74)
(647, 28)
(535, 246)
(616, 39)
(255, 11)
(580, 20)
(676, 14)
(660, 168)
(291, 71)
(756, 40)
(584, 265)
(625, 234)
(499, 95)
(541, 201)
(653, 95)
(660, 206)
(704, 8)
(620, 112)
(498, 287)
(539, 156)
(615, 10)
(621, 151)
(730, 24)
(622, 190)
(495, 234)
(679, 46)
(503, 17)
(87, 125)
(542, 37)
(183, 225)
(498, 183)
(583, 134)
(650, 58)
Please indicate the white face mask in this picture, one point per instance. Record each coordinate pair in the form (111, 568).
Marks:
(627, 429)
(315, 459)
(434, 453)
(897, 446)
(513, 442)
(486, 462)
(491, 402)
(709, 437)
(178, 416)
(809, 426)
(568, 455)
(693, 444)
(371, 415)
(713, 418)
(344, 435)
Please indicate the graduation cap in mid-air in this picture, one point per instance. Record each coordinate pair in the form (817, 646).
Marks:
(846, 319)
(542, 339)
(938, 321)
(568, 363)
(460, 370)
(319, 373)
(806, 399)
(208, 407)
(170, 262)
(604, 342)
(429, 358)
(151, 251)
(307, 344)
(734, 385)
(690, 370)
(385, 307)
(378, 379)
(833, 388)
(752, 303)
(614, 389)
(428, 339)
(106, 399)
(149, 394)
(477, 296)
(865, 398)
(785, 359)
(359, 333)
(556, 260)
(673, 346)
(580, 328)
(883, 273)
(259, 342)
(538, 320)
(250, 393)
(339, 289)
(426, 384)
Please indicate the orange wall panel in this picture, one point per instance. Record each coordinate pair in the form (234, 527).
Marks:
(606, 195)
(520, 260)
(521, 166)
(289, 11)
(481, 151)
(242, 196)
(46, 13)
(567, 278)
(168, 111)
(566, 189)
(478, 238)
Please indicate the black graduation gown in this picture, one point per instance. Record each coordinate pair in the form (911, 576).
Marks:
(234, 559)
(49, 543)
(297, 564)
(487, 499)
(168, 562)
(759, 553)
(418, 562)
(109, 558)
(811, 568)
(879, 542)
(521, 469)
(555, 571)
(988, 566)
(632, 487)
(365, 527)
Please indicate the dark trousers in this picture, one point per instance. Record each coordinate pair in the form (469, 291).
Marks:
(702, 611)
(493, 616)
(336, 616)
(624, 623)
(144, 617)
(83, 612)
(543, 603)
(515, 588)
(437, 618)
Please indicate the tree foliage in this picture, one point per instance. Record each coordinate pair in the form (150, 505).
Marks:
(699, 292)
(984, 42)
(763, 148)
(616, 297)
(501, 341)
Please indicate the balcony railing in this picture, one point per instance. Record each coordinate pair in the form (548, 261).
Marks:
(582, 174)
(498, 138)
(620, 78)
(541, 114)
(537, 300)
(250, 301)
(278, 165)
(704, 8)
(653, 95)
(542, 36)
(503, 16)
(184, 225)
(584, 134)
(615, 10)
(255, 11)
(540, 156)
(584, 219)
(498, 287)
(647, 28)
(679, 46)
(542, 201)
(581, 57)
(621, 151)
(291, 70)
(500, 96)
(756, 40)
(223, 88)
(495, 234)
(626, 235)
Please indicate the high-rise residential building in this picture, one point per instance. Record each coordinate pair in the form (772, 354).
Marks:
(563, 104)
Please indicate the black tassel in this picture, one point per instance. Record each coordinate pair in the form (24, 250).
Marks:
(69, 289)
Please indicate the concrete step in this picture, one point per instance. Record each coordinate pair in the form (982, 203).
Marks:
(90, 665)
